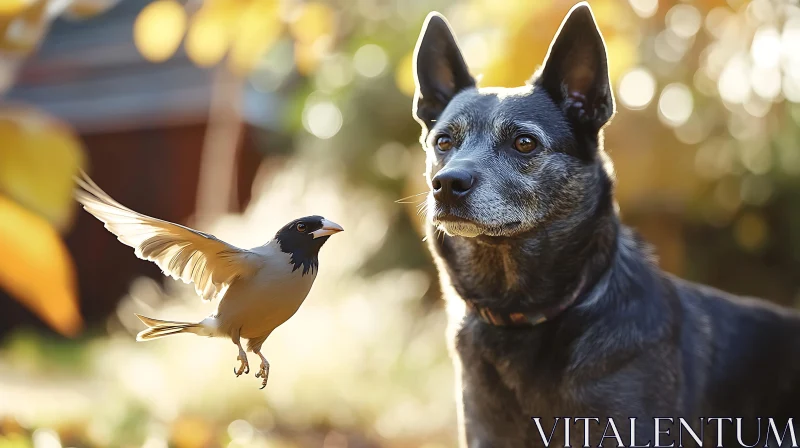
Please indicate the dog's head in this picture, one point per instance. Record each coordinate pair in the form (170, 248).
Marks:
(501, 162)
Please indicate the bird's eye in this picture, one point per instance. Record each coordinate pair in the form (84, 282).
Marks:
(301, 227)
(444, 143)
(525, 144)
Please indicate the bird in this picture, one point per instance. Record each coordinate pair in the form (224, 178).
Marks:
(257, 289)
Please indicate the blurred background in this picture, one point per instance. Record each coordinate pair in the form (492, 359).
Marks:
(235, 116)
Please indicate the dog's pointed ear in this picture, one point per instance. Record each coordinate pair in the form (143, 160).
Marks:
(575, 72)
(440, 71)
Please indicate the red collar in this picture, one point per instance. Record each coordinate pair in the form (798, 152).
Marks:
(522, 318)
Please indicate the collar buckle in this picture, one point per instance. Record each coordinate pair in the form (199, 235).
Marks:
(522, 318)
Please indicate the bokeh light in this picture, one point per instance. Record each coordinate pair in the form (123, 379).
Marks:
(46, 438)
(636, 88)
(309, 22)
(159, 29)
(734, 82)
(336, 71)
(675, 104)
(684, 20)
(766, 47)
(208, 38)
(322, 119)
(370, 60)
(644, 8)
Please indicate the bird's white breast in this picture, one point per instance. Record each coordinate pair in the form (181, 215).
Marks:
(264, 301)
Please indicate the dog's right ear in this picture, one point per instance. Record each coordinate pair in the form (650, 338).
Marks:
(439, 70)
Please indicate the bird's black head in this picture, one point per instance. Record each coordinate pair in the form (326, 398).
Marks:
(303, 238)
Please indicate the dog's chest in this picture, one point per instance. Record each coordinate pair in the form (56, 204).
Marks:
(514, 364)
(512, 380)
(509, 377)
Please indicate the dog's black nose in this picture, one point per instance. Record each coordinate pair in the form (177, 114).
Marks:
(451, 183)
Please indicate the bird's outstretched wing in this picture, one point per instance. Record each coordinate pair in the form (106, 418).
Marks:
(182, 253)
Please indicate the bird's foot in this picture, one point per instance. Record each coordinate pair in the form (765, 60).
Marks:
(264, 372)
(244, 367)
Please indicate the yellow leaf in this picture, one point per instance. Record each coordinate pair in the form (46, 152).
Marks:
(158, 29)
(20, 32)
(528, 41)
(191, 432)
(306, 59)
(611, 13)
(314, 20)
(36, 268)
(86, 9)
(10, 8)
(257, 30)
(623, 53)
(209, 35)
(404, 75)
(38, 159)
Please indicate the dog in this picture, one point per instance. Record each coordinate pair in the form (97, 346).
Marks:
(566, 314)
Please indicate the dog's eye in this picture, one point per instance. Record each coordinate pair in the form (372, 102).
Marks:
(301, 227)
(525, 144)
(444, 143)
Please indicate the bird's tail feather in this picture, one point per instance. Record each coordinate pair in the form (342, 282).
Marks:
(160, 328)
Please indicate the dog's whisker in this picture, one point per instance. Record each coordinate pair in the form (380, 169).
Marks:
(439, 233)
(422, 209)
(403, 200)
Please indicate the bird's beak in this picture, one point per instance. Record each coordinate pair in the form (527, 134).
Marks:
(328, 228)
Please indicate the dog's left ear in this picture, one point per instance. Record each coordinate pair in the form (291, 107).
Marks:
(575, 72)
(440, 71)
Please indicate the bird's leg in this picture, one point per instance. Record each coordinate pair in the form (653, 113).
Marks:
(264, 372)
(244, 367)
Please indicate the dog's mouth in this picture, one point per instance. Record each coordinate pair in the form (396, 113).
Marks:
(456, 224)
(442, 217)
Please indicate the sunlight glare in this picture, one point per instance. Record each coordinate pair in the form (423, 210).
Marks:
(476, 51)
(766, 82)
(734, 82)
(766, 48)
(46, 438)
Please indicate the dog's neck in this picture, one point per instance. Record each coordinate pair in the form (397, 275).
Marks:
(534, 271)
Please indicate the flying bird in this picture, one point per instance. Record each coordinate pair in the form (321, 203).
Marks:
(258, 289)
